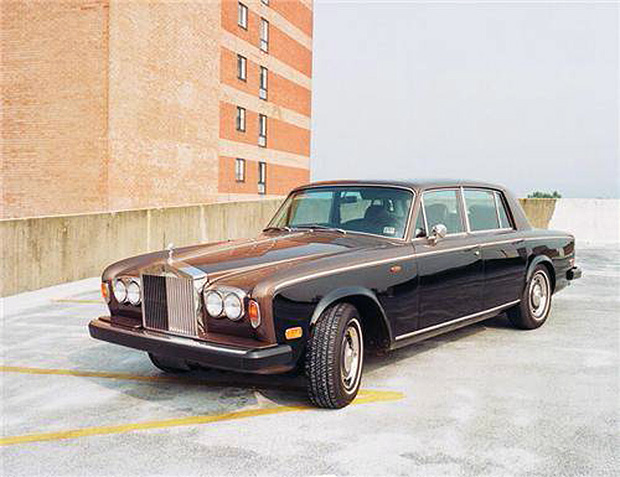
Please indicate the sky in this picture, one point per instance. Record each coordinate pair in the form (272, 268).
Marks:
(520, 93)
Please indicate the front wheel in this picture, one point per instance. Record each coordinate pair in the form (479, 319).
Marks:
(533, 310)
(335, 357)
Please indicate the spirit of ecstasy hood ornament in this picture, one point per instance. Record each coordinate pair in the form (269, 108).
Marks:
(170, 249)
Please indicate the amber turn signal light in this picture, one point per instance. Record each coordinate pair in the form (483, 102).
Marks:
(293, 333)
(105, 292)
(254, 313)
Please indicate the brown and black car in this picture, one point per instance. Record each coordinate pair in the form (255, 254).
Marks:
(341, 267)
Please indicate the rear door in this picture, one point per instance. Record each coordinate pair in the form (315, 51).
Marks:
(503, 252)
(451, 271)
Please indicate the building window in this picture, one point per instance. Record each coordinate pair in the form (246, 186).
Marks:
(264, 35)
(242, 17)
(262, 130)
(262, 177)
(240, 170)
(240, 119)
(262, 92)
(242, 68)
(265, 2)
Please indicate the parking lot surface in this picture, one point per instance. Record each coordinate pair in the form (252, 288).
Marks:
(484, 400)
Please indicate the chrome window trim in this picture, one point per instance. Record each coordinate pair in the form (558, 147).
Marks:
(485, 231)
(495, 194)
(459, 200)
(457, 320)
(499, 220)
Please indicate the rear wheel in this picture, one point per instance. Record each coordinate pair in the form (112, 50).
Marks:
(168, 364)
(533, 310)
(335, 356)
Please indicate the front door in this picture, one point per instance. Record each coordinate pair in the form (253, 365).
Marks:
(451, 273)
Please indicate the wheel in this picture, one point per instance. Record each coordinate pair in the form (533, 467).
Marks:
(535, 304)
(335, 357)
(168, 364)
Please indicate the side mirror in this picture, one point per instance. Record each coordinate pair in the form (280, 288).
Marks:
(438, 231)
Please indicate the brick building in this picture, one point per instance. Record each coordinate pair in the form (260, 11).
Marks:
(119, 104)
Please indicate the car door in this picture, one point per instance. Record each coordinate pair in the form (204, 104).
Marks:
(450, 271)
(503, 252)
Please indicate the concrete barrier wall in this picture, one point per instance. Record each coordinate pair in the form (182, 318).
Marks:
(44, 251)
(591, 221)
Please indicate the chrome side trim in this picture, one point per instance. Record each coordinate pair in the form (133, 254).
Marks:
(338, 270)
(405, 257)
(457, 320)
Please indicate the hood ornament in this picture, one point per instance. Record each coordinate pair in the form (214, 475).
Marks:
(170, 249)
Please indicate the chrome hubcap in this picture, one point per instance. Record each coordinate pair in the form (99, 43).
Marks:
(539, 294)
(352, 355)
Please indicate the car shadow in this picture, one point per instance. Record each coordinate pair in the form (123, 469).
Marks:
(204, 391)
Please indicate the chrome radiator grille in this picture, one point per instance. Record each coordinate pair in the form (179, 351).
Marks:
(168, 304)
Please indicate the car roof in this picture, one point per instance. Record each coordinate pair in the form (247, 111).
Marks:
(409, 184)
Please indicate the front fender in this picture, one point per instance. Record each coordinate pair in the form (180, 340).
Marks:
(357, 296)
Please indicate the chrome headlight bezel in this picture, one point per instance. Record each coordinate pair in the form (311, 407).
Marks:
(137, 288)
(119, 289)
(233, 306)
(217, 295)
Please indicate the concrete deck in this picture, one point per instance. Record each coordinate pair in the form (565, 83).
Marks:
(484, 400)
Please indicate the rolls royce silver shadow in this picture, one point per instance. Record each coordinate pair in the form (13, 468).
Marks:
(342, 267)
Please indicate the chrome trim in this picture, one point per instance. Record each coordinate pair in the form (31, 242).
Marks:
(338, 270)
(457, 320)
(407, 257)
(464, 209)
(182, 312)
(455, 189)
(476, 232)
(386, 260)
(499, 220)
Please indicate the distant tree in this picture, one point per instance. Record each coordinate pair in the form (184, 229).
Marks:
(544, 195)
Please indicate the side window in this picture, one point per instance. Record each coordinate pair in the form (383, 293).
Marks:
(503, 214)
(481, 211)
(442, 207)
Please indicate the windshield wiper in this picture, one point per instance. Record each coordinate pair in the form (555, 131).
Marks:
(277, 229)
(321, 227)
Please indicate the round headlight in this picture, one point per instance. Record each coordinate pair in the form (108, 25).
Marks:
(214, 303)
(120, 291)
(233, 306)
(133, 292)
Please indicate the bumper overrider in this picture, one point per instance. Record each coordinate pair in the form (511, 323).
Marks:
(573, 273)
(274, 359)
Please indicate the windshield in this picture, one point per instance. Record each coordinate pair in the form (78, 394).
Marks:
(373, 210)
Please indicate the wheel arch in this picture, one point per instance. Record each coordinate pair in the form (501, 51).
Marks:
(547, 263)
(374, 320)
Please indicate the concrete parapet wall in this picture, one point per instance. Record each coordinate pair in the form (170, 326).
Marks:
(591, 221)
(43, 251)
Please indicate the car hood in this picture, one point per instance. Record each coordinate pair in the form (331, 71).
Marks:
(281, 250)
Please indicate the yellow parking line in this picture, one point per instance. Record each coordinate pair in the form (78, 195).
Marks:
(96, 374)
(365, 396)
(76, 300)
